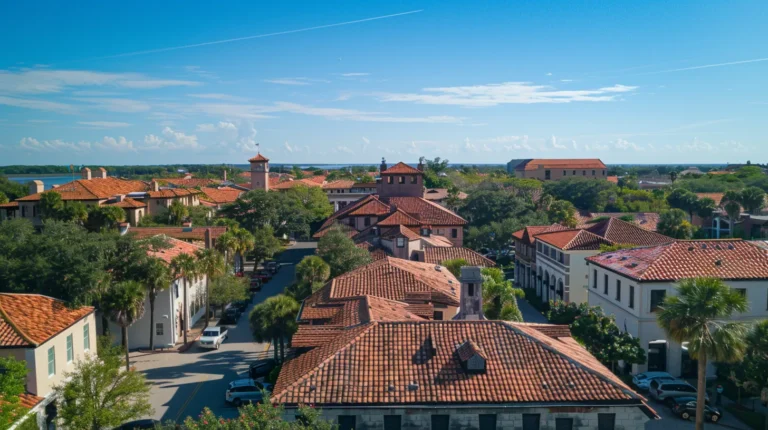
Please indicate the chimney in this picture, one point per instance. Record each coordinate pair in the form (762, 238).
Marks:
(36, 187)
(187, 224)
(102, 173)
(383, 165)
(85, 173)
(225, 175)
(471, 300)
(155, 185)
(119, 198)
(392, 208)
(208, 239)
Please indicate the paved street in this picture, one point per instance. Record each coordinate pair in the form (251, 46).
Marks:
(183, 384)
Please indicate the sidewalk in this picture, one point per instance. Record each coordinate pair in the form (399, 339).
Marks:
(530, 314)
(192, 335)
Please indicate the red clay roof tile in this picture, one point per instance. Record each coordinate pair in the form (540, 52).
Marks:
(436, 255)
(92, 189)
(258, 157)
(577, 240)
(563, 163)
(402, 168)
(32, 319)
(618, 231)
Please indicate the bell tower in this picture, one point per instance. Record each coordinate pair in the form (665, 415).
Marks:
(259, 172)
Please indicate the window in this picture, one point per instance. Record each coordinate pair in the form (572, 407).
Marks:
(538, 246)
(606, 421)
(392, 422)
(70, 351)
(574, 173)
(531, 421)
(34, 211)
(86, 337)
(414, 178)
(347, 422)
(603, 172)
(618, 290)
(176, 289)
(401, 179)
(471, 290)
(389, 179)
(400, 242)
(564, 424)
(561, 257)
(631, 297)
(547, 174)
(605, 284)
(366, 221)
(594, 279)
(657, 296)
(23, 211)
(488, 422)
(454, 233)
(440, 422)
(565, 173)
(51, 362)
(741, 291)
(159, 329)
(583, 173)
(437, 315)
(593, 173)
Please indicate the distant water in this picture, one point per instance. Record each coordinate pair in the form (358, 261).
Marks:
(48, 181)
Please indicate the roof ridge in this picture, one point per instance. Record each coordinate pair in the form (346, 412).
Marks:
(8, 320)
(544, 342)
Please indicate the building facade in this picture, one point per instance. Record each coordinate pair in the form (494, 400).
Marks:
(555, 169)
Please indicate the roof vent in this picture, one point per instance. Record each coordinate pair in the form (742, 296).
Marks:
(690, 248)
(608, 256)
(391, 388)
(703, 246)
(413, 386)
(450, 281)
(571, 384)
(312, 387)
(624, 258)
(718, 262)
(438, 268)
(730, 246)
(718, 247)
(633, 265)
(544, 385)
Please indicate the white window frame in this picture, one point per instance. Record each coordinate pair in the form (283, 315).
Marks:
(87, 337)
(70, 348)
(51, 362)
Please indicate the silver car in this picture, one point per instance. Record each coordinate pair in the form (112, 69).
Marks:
(643, 380)
(664, 391)
(244, 391)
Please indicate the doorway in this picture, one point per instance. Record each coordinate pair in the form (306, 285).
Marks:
(657, 356)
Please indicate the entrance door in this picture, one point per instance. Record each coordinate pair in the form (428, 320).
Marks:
(657, 356)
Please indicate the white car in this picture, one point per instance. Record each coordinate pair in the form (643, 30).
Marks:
(244, 391)
(213, 337)
(643, 380)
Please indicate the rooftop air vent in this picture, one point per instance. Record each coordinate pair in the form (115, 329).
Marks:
(391, 388)
(718, 247)
(544, 385)
(571, 385)
(730, 246)
(633, 265)
(608, 256)
(703, 246)
(312, 387)
(624, 258)
(438, 268)
(718, 262)
(413, 386)
(690, 248)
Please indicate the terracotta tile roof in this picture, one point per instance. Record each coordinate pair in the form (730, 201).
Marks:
(427, 212)
(437, 194)
(93, 189)
(351, 311)
(311, 336)
(183, 233)
(168, 193)
(618, 231)
(392, 278)
(9, 205)
(554, 331)
(646, 220)
(575, 239)
(566, 163)
(725, 259)
(32, 319)
(220, 195)
(295, 183)
(717, 197)
(528, 234)
(372, 206)
(400, 231)
(435, 255)
(614, 179)
(258, 157)
(349, 230)
(29, 401)
(436, 240)
(129, 203)
(379, 254)
(339, 184)
(320, 179)
(187, 183)
(399, 218)
(469, 349)
(177, 247)
(397, 363)
(402, 168)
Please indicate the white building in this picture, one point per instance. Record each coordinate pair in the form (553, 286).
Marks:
(51, 338)
(169, 318)
(344, 192)
(631, 284)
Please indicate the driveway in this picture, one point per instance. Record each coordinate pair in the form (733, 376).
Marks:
(183, 384)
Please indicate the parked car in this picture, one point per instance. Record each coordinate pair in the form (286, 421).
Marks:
(213, 337)
(261, 368)
(643, 380)
(241, 305)
(139, 424)
(255, 285)
(271, 266)
(244, 391)
(685, 408)
(231, 315)
(664, 391)
(262, 275)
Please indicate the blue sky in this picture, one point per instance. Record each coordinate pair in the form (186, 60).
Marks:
(97, 82)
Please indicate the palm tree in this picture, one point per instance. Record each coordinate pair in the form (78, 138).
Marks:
(312, 269)
(243, 241)
(211, 263)
(699, 315)
(273, 320)
(125, 305)
(184, 266)
(156, 277)
(226, 244)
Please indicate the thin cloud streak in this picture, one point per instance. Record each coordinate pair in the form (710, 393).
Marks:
(258, 36)
(708, 66)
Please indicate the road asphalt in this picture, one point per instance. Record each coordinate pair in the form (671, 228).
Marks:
(185, 383)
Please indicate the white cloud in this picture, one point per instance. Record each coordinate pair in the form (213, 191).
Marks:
(38, 81)
(412, 148)
(348, 75)
(115, 105)
(119, 144)
(469, 146)
(356, 115)
(290, 148)
(549, 74)
(505, 93)
(343, 149)
(32, 144)
(216, 96)
(366, 142)
(554, 144)
(210, 128)
(104, 124)
(624, 144)
(39, 105)
(171, 139)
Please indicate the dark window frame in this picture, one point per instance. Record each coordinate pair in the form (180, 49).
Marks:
(563, 423)
(618, 290)
(594, 276)
(531, 421)
(488, 421)
(631, 296)
(440, 425)
(655, 306)
(396, 422)
(605, 284)
(606, 421)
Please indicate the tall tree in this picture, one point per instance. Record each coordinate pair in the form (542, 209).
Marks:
(340, 252)
(499, 296)
(312, 270)
(184, 266)
(125, 305)
(227, 289)
(683, 199)
(704, 207)
(753, 199)
(454, 266)
(104, 217)
(177, 212)
(3, 198)
(99, 395)
(265, 244)
(562, 212)
(673, 223)
(733, 210)
(700, 314)
(274, 320)
(211, 264)
(156, 277)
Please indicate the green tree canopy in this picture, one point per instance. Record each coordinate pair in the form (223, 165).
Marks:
(683, 199)
(274, 320)
(753, 199)
(584, 193)
(124, 304)
(265, 244)
(454, 266)
(562, 212)
(13, 382)
(227, 289)
(499, 296)
(673, 223)
(340, 252)
(12, 189)
(312, 270)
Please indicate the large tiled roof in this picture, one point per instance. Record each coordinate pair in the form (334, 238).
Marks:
(177, 247)
(646, 220)
(402, 168)
(372, 206)
(183, 233)
(168, 193)
(295, 183)
(351, 311)
(129, 203)
(394, 279)
(220, 195)
(427, 212)
(725, 259)
(258, 157)
(339, 184)
(29, 401)
(32, 319)
(565, 163)
(618, 231)
(528, 234)
(573, 239)
(92, 189)
(400, 231)
(416, 362)
(436, 255)
(399, 217)
(188, 183)
(717, 197)
(9, 205)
